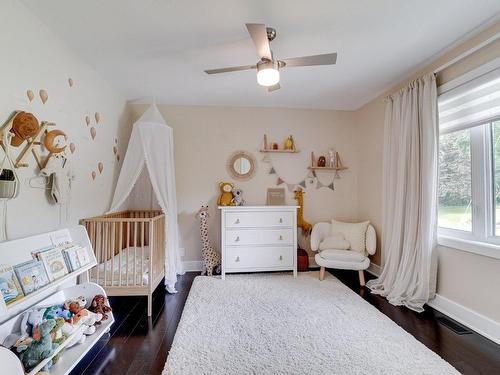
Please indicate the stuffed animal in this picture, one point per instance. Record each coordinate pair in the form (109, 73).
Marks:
(68, 330)
(210, 257)
(226, 195)
(99, 305)
(31, 319)
(76, 304)
(87, 318)
(57, 311)
(40, 349)
(237, 197)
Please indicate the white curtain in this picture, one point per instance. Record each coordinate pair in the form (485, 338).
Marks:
(151, 145)
(409, 203)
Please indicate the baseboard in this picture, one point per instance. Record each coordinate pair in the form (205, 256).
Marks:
(192, 266)
(374, 269)
(471, 319)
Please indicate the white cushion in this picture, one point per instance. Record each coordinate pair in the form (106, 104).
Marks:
(334, 242)
(342, 255)
(355, 233)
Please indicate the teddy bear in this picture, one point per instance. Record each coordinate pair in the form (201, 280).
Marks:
(40, 348)
(237, 197)
(99, 306)
(226, 195)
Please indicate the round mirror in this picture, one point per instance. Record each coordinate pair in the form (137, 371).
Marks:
(241, 165)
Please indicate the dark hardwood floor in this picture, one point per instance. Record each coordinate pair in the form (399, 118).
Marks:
(139, 345)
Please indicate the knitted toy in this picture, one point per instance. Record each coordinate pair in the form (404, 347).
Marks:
(99, 306)
(237, 197)
(57, 311)
(210, 257)
(226, 195)
(41, 348)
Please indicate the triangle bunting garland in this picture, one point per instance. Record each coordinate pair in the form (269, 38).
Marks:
(303, 183)
(272, 171)
(279, 181)
(331, 186)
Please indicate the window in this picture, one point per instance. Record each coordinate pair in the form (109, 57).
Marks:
(455, 184)
(469, 162)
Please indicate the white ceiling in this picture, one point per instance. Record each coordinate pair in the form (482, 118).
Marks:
(160, 48)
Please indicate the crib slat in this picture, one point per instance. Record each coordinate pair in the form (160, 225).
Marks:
(127, 249)
(142, 252)
(135, 253)
(112, 253)
(120, 242)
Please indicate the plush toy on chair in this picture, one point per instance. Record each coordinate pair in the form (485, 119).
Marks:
(344, 246)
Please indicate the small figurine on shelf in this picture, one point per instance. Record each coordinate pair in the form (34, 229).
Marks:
(321, 161)
(275, 146)
(289, 144)
(332, 163)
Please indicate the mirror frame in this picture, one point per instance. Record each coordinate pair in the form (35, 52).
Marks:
(232, 159)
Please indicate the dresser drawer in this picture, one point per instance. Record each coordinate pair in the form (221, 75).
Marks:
(259, 257)
(243, 237)
(259, 219)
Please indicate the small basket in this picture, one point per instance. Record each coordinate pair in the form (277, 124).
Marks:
(8, 184)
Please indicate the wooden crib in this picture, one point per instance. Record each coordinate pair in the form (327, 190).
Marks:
(130, 250)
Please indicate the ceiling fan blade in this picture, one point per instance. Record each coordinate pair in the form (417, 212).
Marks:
(258, 32)
(273, 87)
(326, 59)
(230, 69)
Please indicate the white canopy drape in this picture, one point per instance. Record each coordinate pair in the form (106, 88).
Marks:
(151, 145)
(410, 196)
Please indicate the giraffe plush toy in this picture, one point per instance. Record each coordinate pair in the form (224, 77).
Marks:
(301, 223)
(210, 257)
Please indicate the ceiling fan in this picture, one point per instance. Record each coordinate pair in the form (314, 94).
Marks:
(268, 67)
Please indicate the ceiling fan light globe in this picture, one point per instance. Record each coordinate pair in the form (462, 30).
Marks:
(268, 77)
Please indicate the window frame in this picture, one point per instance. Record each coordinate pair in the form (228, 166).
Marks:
(481, 239)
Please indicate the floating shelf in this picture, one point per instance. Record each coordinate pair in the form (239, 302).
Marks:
(282, 151)
(327, 168)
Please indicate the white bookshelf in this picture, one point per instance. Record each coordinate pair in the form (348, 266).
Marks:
(70, 286)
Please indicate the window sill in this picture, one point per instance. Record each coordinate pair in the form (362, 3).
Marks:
(475, 247)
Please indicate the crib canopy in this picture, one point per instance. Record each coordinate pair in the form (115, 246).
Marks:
(151, 149)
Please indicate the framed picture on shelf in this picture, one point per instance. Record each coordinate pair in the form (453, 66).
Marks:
(275, 197)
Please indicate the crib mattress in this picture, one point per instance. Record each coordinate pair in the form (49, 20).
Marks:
(112, 268)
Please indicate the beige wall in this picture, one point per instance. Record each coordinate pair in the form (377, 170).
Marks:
(467, 279)
(205, 137)
(33, 59)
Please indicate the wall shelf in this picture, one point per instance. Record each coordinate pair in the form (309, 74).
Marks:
(281, 151)
(327, 168)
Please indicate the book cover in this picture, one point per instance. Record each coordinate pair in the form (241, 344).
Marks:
(83, 256)
(31, 275)
(9, 286)
(54, 263)
(72, 256)
(67, 261)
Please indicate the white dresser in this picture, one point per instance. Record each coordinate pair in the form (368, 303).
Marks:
(258, 238)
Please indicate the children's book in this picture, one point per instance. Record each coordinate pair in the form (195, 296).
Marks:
(83, 256)
(54, 263)
(72, 257)
(9, 286)
(31, 275)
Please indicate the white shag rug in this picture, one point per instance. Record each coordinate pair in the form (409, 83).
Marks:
(275, 324)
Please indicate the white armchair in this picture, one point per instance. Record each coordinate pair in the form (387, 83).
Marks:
(346, 259)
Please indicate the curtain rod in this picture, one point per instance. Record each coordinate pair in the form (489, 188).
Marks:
(467, 53)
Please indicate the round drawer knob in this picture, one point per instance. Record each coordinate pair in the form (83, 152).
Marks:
(281, 220)
(281, 238)
(281, 257)
(237, 259)
(237, 239)
(237, 221)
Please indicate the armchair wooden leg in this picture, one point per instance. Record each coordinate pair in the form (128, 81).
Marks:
(322, 273)
(361, 277)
